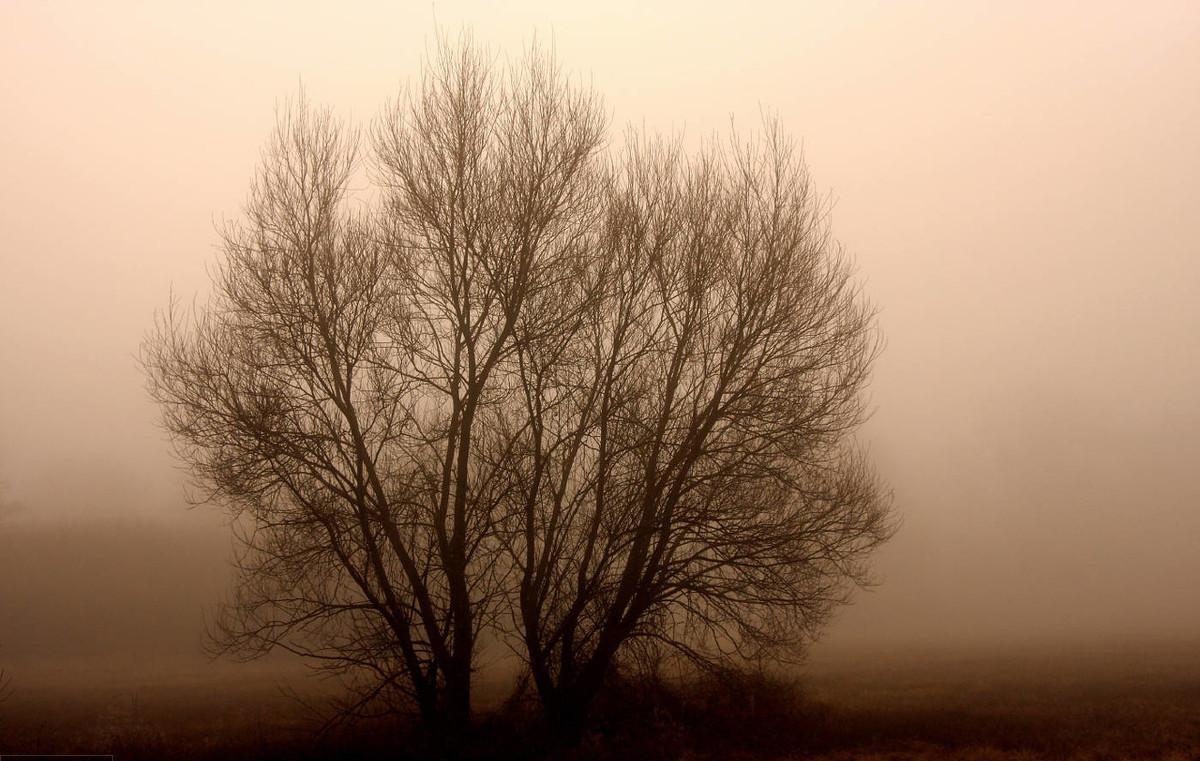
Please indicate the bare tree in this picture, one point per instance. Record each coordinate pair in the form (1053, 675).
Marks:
(598, 404)
(351, 364)
(488, 192)
(685, 479)
(279, 397)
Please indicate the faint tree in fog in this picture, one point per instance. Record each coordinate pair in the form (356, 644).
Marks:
(597, 403)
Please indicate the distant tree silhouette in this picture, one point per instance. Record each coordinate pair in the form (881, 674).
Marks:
(596, 402)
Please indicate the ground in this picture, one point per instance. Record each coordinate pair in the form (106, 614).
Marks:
(1065, 703)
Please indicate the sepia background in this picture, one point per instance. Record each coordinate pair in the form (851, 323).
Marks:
(1017, 184)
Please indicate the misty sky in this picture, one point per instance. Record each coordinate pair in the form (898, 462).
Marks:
(1017, 182)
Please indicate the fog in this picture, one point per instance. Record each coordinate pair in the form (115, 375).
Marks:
(1017, 186)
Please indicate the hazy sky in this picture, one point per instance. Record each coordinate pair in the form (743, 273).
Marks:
(1018, 183)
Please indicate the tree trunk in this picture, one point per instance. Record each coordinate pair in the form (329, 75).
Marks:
(566, 716)
(428, 708)
(457, 718)
(567, 707)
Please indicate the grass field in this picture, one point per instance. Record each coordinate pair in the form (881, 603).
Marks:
(1120, 703)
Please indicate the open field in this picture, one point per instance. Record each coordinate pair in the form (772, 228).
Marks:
(1101, 704)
